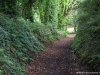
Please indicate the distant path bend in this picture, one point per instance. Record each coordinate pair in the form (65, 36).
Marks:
(57, 59)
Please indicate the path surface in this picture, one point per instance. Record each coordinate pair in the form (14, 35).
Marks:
(58, 59)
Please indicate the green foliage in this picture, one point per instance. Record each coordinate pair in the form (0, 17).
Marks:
(51, 12)
(38, 5)
(45, 33)
(17, 45)
(17, 42)
(65, 6)
(27, 9)
(54, 11)
(63, 21)
(9, 7)
(87, 41)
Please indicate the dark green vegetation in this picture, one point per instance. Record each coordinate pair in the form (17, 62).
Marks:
(27, 25)
(17, 46)
(24, 26)
(87, 40)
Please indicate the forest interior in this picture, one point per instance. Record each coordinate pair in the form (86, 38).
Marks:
(49, 37)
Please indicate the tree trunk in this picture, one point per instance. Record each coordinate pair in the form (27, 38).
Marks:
(70, 9)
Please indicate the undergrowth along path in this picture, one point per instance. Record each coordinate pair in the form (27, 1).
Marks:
(57, 59)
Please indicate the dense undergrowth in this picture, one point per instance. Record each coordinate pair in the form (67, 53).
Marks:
(17, 46)
(44, 32)
(86, 43)
(20, 41)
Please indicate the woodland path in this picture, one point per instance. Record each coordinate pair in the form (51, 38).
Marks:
(57, 59)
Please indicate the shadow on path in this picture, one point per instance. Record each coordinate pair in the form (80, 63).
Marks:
(57, 59)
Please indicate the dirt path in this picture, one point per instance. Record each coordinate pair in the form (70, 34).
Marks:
(58, 59)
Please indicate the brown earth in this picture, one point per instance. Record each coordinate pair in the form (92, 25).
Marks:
(57, 59)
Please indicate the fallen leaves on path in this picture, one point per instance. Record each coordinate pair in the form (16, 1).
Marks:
(57, 59)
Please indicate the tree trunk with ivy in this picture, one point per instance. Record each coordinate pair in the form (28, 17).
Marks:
(51, 12)
(27, 11)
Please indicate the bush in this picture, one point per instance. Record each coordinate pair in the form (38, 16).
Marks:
(86, 43)
(44, 32)
(17, 45)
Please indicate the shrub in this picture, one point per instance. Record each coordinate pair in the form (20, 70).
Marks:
(17, 46)
(44, 32)
(86, 43)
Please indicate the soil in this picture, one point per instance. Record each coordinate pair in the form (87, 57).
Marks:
(57, 59)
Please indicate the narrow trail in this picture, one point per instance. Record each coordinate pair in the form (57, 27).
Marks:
(57, 59)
